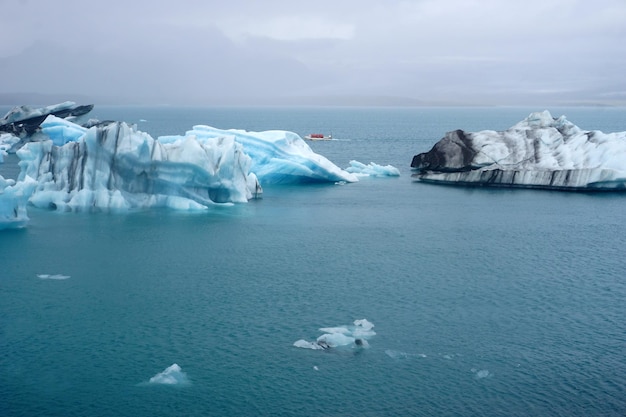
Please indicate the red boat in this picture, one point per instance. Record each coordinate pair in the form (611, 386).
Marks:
(318, 136)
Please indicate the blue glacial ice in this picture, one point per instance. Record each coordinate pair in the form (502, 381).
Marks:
(277, 156)
(115, 167)
(7, 142)
(372, 170)
(13, 201)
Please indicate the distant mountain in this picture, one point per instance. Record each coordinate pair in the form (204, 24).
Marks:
(351, 100)
(16, 99)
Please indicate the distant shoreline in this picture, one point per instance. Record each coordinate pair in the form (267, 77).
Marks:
(38, 99)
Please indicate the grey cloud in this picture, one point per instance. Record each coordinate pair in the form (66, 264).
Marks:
(494, 52)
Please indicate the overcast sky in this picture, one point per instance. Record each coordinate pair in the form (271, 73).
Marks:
(508, 52)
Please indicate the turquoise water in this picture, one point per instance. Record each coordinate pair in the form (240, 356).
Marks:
(485, 302)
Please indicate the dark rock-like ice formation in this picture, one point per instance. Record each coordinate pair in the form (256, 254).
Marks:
(24, 120)
(538, 152)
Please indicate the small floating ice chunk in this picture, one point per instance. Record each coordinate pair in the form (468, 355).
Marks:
(52, 276)
(351, 336)
(172, 375)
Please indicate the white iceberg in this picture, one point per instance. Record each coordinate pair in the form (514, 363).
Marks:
(538, 152)
(172, 375)
(352, 336)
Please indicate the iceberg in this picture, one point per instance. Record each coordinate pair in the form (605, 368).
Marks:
(24, 120)
(538, 152)
(113, 166)
(278, 157)
(172, 375)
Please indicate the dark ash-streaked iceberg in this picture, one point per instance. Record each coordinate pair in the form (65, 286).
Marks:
(538, 152)
(24, 120)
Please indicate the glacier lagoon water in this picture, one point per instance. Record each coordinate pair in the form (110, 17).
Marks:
(484, 301)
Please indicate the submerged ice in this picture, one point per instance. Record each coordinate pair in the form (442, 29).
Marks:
(350, 336)
(538, 152)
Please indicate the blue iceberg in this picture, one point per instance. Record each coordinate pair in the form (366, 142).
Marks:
(113, 166)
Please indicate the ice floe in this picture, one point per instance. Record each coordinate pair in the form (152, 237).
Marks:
(53, 276)
(350, 336)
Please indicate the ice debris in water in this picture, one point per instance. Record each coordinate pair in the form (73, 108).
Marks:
(480, 374)
(372, 170)
(352, 336)
(52, 276)
(396, 354)
(173, 375)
